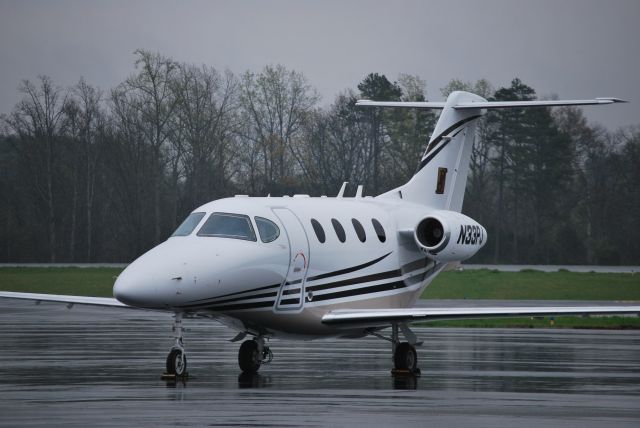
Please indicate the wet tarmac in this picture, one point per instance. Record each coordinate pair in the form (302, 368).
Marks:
(97, 366)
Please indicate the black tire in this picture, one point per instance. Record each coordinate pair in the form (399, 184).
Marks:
(405, 357)
(249, 357)
(175, 364)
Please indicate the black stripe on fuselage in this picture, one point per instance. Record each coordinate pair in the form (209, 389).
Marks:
(395, 285)
(322, 276)
(209, 299)
(239, 306)
(358, 280)
(236, 299)
(359, 291)
(408, 282)
(347, 270)
(431, 153)
(406, 269)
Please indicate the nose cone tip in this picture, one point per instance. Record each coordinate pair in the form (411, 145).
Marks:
(120, 290)
(128, 292)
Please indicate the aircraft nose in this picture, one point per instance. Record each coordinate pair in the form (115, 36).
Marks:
(147, 282)
(127, 291)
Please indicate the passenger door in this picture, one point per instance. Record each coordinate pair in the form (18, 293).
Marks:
(291, 294)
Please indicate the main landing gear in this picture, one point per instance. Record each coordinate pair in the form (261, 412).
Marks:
(405, 357)
(177, 358)
(252, 354)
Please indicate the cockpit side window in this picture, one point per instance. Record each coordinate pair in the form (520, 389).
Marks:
(225, 225)
(189, 224)
(267, 229)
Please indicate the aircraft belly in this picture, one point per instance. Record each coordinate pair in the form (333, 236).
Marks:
(308, 322)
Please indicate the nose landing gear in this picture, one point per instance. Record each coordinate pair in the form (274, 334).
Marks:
(177, 358)
(252, 354)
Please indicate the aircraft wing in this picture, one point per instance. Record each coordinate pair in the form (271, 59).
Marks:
(83, 300)
(384, 317)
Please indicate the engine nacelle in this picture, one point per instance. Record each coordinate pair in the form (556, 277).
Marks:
(447, 236)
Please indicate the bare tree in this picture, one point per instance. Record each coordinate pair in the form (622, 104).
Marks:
(275, 104)
(150, 91)
(91, 129)
(205, 123)
(37, 120)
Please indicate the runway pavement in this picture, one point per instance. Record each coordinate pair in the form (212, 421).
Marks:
(101, 367)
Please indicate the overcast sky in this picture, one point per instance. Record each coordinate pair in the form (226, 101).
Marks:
(574, 49)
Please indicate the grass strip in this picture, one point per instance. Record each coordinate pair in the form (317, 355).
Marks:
(96, 282)
(534, 285)
(600, 322)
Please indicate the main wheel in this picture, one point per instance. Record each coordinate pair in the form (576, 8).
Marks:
(176, 362)
(249, 357)
(405, 357)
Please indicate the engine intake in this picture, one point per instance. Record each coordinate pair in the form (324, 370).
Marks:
(447, 236)
(430, 232)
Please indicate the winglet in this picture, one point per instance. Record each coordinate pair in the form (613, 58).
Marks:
(612, 99)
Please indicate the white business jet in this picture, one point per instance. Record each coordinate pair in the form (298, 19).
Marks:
(304, 267)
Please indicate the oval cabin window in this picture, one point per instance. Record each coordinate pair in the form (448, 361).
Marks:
(379, 230)
(317, 228)
(339, 230)
(362, 236)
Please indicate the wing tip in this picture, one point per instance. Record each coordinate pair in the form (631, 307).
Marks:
(612, 99)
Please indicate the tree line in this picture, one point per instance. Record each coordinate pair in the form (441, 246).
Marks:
(88, 175)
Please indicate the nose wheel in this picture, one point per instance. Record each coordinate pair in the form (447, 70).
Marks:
(177, 362)
(177, 358)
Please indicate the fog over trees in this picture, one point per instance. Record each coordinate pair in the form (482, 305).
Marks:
(93, 174)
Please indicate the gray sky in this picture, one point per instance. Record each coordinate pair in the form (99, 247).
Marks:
(575, 49)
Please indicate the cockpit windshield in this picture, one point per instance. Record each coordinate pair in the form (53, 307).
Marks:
(226, 225)
(267, 229)
(189, 224)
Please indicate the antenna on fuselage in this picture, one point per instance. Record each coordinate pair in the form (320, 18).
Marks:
(359, 191)
(342, 189)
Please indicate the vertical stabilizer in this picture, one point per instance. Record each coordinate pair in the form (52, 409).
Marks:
(441, 177)
(442, 174)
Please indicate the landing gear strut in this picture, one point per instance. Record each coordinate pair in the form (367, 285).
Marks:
(177, 358)
(252, 354)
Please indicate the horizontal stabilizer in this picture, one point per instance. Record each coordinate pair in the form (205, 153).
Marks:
(488, 104)
(406, 104)
(383, 317)
(547, 103)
